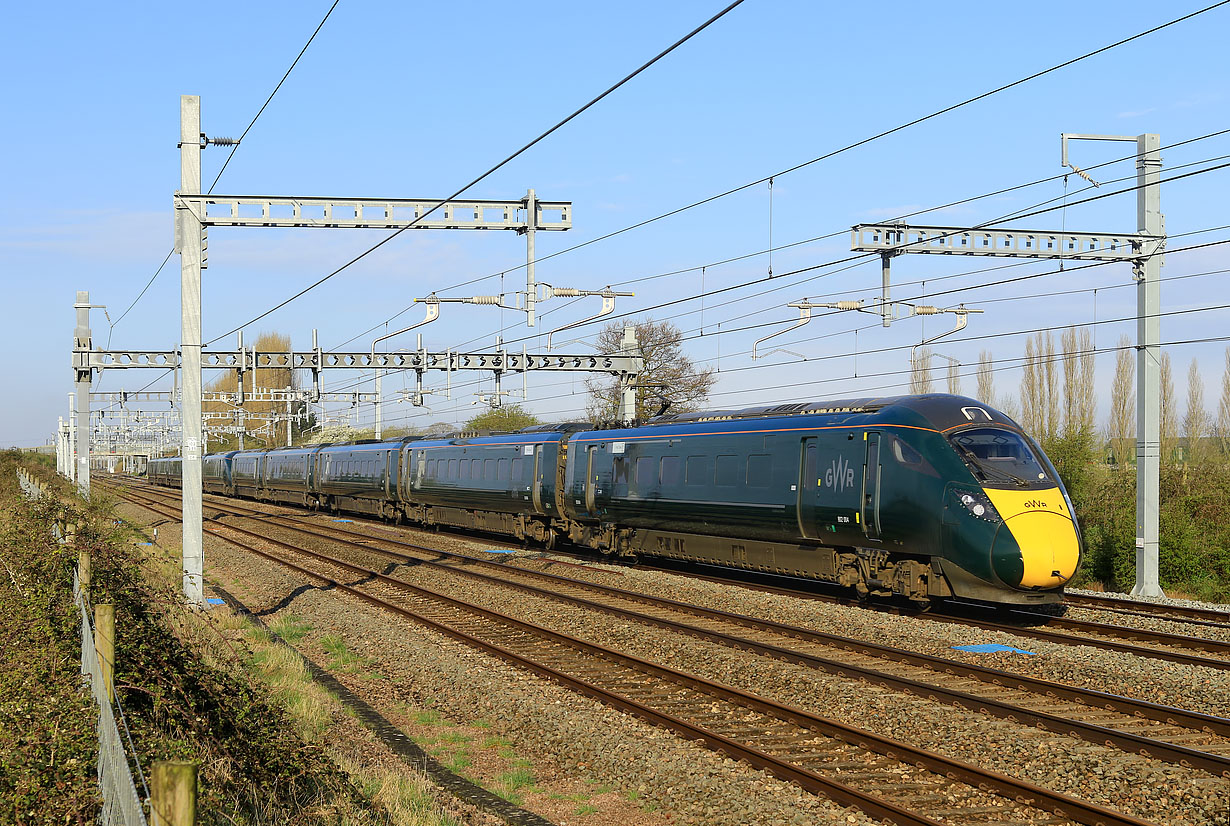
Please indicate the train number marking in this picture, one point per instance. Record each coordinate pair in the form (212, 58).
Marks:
(840, 475)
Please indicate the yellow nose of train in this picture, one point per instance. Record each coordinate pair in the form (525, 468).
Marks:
(1036, 546)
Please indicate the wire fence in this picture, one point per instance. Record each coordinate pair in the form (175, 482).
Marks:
(122, 805)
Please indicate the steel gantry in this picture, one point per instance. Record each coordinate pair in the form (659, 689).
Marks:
(1142, 249)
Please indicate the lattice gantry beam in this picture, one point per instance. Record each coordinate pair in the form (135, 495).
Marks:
(312, 359)
(1007, 243)
(373, 213)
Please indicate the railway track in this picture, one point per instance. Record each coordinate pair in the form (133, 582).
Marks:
(1131, 607)
(886, 779)
(1140, 642)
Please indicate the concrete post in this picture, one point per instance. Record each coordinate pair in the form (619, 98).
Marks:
(82, 341)
(627, 381)
(531, 286)
(104, 645)
(189, 242)
(1148, 367)
(173, 793)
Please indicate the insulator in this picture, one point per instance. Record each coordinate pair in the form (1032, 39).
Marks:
(926, 309)
(485, 299)
(565, 292)
(222, 141)
(849, 305)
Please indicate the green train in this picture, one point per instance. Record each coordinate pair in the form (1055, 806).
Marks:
(923, 497)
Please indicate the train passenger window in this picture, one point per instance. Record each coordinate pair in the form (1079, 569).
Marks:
(646, 472)
(672, 470)
(727, 470)
(621, 470)
(698, 470)
(518, 469)
(489, 470)
(759, 467)
(501, 470)
(465, 468)
(452, 468)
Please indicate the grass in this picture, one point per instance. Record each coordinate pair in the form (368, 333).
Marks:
(340, 657)
(510, 784)
(586, 809)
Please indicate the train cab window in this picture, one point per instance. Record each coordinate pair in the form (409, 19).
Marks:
(727, 470)
(646, 472)
(697, 471)
(1000, 456)
(672, 470)
(759, 467)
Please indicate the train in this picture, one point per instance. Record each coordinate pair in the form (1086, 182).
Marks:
(925, 497)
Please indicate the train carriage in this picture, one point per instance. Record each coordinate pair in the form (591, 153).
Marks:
(359, 476)
(288, 475)
(923, 497)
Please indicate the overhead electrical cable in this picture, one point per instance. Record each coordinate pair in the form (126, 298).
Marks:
(757, 182)
(230, 155)
(492, 170)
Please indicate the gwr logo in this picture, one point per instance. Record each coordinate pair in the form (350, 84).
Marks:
(839, 475)
(1035, 503)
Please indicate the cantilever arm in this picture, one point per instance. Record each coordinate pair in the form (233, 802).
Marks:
(433, 312)
(608, 306)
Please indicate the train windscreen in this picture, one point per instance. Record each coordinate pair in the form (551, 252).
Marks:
(1001, 457)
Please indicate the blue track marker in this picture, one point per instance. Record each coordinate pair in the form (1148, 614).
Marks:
(993, 648)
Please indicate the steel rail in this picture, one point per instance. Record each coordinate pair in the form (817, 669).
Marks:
(1058, 804)
(1086, 697)
(1013, 789)
(1210, 616)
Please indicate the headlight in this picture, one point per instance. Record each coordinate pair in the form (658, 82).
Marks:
(977, 503)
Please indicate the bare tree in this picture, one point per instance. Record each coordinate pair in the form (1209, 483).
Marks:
(1170, 418)
(1223, 409)
(1031, 391)
(1078, 391)
(1196, 422)
(268, 418)
(920, 371)
(1122, 425)
(986, 378)
(1050, 372)
(668, 373)
(954, 378)
(1040, 387)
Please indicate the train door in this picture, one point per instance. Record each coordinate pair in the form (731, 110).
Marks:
(591, 482)
(809, 481)
(536, 484)
(871, 486)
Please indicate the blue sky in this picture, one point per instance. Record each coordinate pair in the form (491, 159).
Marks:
(413, 100)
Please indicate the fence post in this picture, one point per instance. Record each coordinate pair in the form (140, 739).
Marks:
(104, 644)
(173, 794)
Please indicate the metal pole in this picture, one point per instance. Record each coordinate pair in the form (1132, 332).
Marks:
(288, 417)
(627, 381)
(72, 437)
(189, 243)
(531, 286)
(1148, 366)
(886, 308)
(379, 384)
(83, 342)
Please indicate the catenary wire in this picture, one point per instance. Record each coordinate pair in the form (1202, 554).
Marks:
(230, 155)
(757, 182)
(493, 169)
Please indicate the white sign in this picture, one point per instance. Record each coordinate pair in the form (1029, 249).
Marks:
(617, 447)
(1140, 542)
(528, 450)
